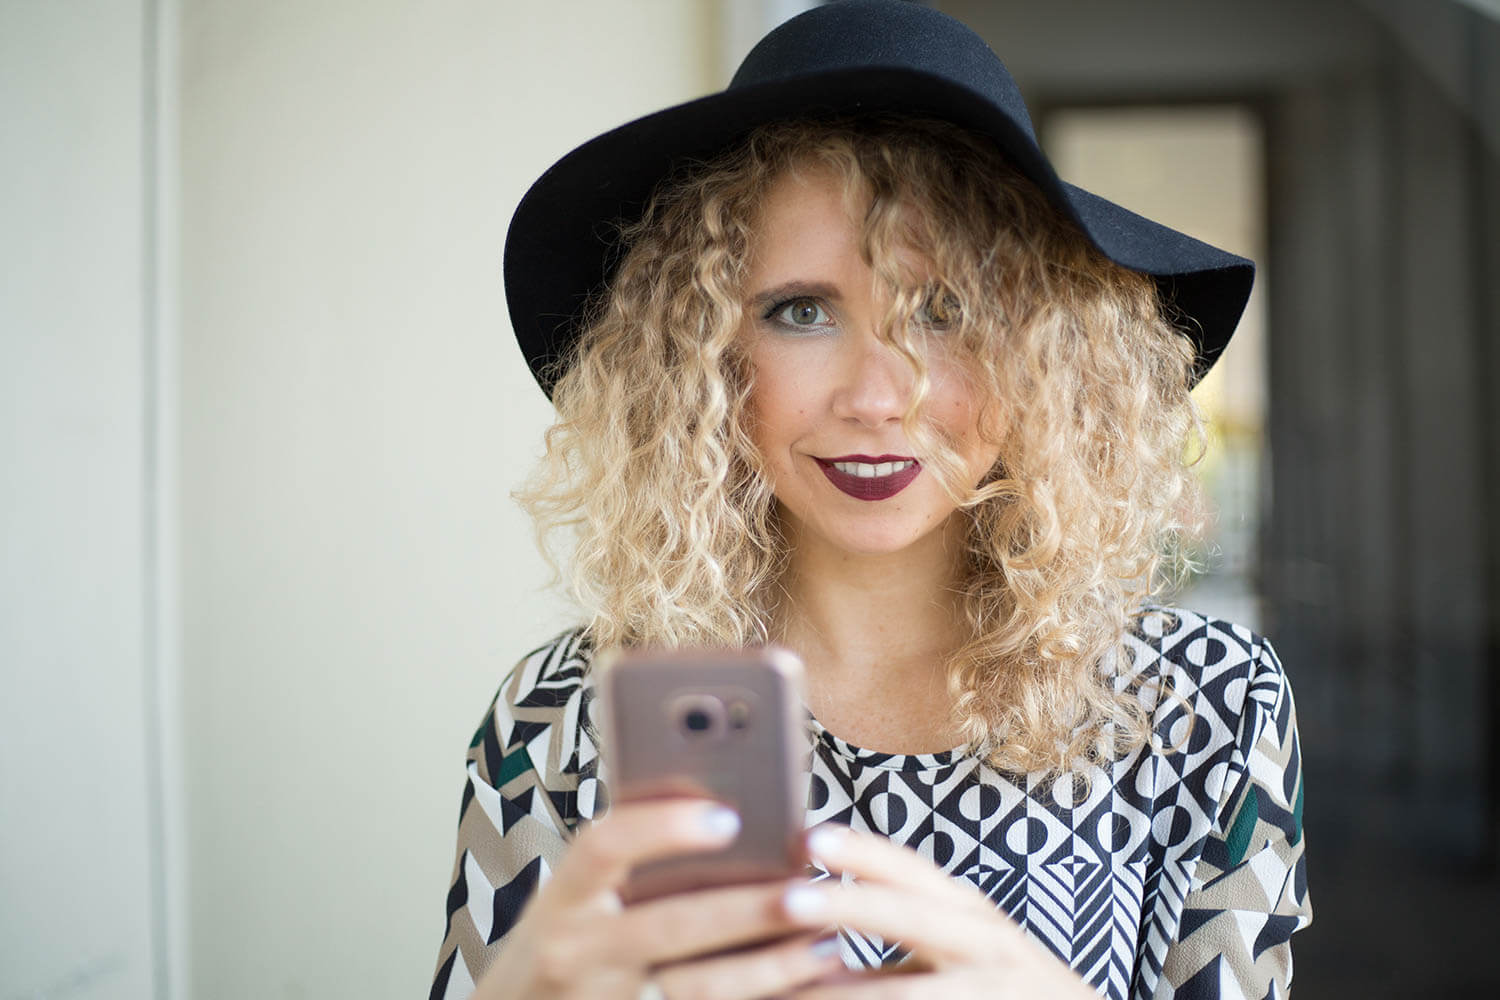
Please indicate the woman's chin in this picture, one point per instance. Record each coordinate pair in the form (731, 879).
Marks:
(893, 542)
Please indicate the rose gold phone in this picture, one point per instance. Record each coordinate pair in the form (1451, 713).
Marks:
(727, 725)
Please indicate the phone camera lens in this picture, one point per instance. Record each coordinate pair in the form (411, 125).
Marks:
(699, 716)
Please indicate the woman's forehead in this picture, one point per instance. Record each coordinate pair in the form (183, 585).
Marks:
(811, 209)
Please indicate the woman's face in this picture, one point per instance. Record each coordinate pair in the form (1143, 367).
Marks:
(828, 395)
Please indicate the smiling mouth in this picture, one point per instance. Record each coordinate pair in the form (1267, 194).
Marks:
(871, 470)
(866, 477)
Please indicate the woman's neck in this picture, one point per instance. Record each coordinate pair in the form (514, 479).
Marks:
(875, 631)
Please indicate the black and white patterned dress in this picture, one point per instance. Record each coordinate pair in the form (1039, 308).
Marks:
(1177, 875)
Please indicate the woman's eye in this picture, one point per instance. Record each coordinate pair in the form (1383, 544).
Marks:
(805, 313)
(940, 311)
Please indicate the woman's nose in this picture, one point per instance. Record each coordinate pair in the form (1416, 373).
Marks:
(875, 384)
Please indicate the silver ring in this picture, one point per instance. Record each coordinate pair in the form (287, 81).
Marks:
(650, 991)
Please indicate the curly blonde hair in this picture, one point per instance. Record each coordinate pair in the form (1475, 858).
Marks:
(676, 537)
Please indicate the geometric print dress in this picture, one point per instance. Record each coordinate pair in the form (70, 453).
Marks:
(1176, 872)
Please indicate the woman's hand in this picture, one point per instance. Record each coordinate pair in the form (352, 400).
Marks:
(962, 945)
(576, 939)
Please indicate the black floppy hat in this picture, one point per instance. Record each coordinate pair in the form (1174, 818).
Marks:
(846, 58)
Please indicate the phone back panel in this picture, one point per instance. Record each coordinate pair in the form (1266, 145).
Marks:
(724, 725)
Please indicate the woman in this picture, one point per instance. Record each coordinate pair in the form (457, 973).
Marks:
(864, 378)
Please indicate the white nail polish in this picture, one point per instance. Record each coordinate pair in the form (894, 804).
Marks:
(825, 841)
(804, 901)
(721, 821)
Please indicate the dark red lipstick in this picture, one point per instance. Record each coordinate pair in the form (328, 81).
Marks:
(870, 487)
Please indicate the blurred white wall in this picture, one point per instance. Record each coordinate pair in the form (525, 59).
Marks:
(81, 802)
(251, 312)
(354, 416)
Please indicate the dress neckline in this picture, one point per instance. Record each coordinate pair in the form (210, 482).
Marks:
(819, 735)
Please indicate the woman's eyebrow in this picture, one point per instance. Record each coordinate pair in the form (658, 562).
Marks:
(796, 290)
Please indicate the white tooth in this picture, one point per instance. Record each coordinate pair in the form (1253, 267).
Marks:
(870, 470)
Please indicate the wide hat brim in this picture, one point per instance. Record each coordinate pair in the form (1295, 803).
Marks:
(848, 58)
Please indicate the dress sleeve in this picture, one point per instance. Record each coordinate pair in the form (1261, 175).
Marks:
(1249, 889)
(510, 837)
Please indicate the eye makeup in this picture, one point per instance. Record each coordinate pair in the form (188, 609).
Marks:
(786, 313)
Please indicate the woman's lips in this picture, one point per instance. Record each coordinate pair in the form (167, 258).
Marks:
(870, 478)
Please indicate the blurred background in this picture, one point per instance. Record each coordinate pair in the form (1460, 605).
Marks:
(261, 412)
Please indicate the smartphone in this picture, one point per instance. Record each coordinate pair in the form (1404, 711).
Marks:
(724, 725)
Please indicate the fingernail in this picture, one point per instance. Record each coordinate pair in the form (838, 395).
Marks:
(824, 842)
(721, 822)
(803, 902)
(826, 947)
